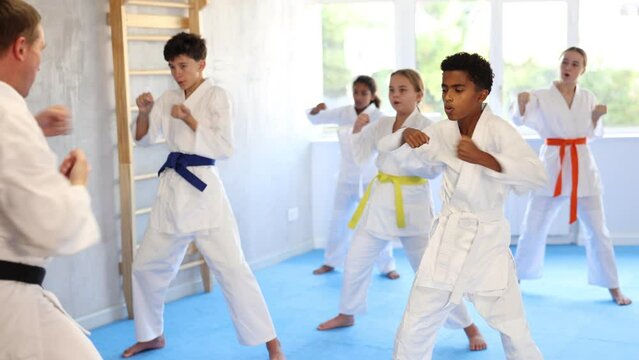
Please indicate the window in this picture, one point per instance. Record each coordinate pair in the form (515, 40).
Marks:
(358, 39)
(531, 51)
(607, 30)
(443, 28)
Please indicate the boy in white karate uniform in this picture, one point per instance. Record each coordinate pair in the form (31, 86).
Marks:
(45, 210)
(482, 158)
(191, 204)
(396, 205)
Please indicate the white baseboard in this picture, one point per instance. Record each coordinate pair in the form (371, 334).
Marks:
(116, 313)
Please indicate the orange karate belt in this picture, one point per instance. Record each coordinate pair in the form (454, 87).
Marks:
(574, 161)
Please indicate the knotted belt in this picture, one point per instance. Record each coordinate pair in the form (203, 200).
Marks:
(179, 161)
(574, 161)
(21, 272)
(397, 181)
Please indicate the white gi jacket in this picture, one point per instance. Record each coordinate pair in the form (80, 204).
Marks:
(41, 215)
(179, 206)
(468, 248)
(379, 217)
(547, 112)
(344, 117)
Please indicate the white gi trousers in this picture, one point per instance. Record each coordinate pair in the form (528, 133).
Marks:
(359, 267)
(346, 200)
(158, 260)
(34, 326)
(428, 308)
(531, 246)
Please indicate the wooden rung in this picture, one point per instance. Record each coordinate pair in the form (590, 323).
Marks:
(162, 38)
(192, 249)
(191, 264)
(163, 141)
(142, 211)
(157, 21)
(145, 177)
(168, 4)
(150, 72)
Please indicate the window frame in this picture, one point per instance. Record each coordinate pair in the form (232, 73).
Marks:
(405, 43)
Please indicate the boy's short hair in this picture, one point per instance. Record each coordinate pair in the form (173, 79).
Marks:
(191, 45)
(17, 18)
(475, 65)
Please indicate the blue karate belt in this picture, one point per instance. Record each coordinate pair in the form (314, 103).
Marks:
(179, 161)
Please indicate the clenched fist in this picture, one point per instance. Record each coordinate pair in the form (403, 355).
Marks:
(54, 120)
(414, 138)
(180, 111)
(362, 120)
(145, 103)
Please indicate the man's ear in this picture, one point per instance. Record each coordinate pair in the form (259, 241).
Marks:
(483, 94)
(19, 48)
(201, 65)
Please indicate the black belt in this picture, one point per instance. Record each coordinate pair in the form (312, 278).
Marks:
(21, 272)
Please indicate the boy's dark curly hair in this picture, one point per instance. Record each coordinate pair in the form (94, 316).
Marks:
(475, 65)
(191, 45)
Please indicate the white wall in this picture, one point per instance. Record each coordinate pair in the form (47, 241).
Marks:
(258, 51)
(615, 157)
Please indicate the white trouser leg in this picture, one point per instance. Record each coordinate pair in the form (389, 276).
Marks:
(531, 246)
(361, 258)
(414, 247)
(339, 235)
(424, 315)
(505, 313)
(61, 336)
(386, 262)
(155, 265)
(222, 251)
(602, 267)
(34, 326)
(346, 197)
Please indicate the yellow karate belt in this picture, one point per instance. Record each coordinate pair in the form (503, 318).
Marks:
(397, 181)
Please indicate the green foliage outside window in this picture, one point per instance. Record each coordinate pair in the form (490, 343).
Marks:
(618, 88)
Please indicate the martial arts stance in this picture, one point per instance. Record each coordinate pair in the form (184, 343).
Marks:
(566, 116)
(45, 210)
(351, 175)
(396, 205)
(192, 204)
(482, 158)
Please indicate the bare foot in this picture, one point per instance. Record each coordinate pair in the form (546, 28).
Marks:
(341, 320)
(323, 270)
(138, 347)
(476, 342)
(393, 275)
(275, 350)
(619, 297)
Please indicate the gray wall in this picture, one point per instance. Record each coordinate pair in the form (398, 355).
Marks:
(258, 51)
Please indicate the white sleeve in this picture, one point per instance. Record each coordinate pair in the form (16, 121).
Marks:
(154, 135)
(47, 214)
(597, 131)
(520, 166)
(216, 133)
(329, 116)
(363, 143)
(417, 162)
(531, 113)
